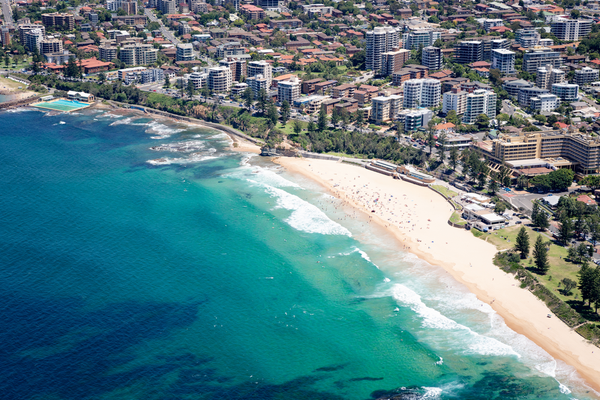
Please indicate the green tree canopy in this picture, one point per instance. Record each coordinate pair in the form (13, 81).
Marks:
(522, 243)
(540, 255)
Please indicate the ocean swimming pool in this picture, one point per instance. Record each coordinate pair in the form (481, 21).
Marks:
(62, 105)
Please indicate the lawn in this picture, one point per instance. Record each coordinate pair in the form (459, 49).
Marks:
(445, 191)
(332, 153)
(11, 84)
(559, 268)
(24, 63)
(288, 129)
(457, 219)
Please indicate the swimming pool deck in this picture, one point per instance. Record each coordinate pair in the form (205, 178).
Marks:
(48, 105)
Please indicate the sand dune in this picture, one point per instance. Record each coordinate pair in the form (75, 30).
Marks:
(418, 216)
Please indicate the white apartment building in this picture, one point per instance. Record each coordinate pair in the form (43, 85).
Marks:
(33, 39)
(185, 52)
(528, 37)
(571, 29)
(380, 40)
(548, 76)
(479, 102)
(586, 75)
(415, 119)
(219, 79)
(260, 68)
(566, 91)
(426, 37)
(455, 100)
(503, 60)
(538, 57)
(432, 58)
(288, 90)
(491, 23)
(385, 108)
(258, 83)
(138, 54)
(544, 103)
(107, 52)
(422, 93)
(198, 79)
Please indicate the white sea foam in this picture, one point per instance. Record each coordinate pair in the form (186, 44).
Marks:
(161, 131)
(364, 255)
(386, 280)
(126, 121)
(22, 109)
(261, 176)
(193, 158)
(431, 318)
(109, 115)
(181, 147)
(547, 368)
(245, 161)
(432, 392)
(222, 137)
(305, 217)
(563, 389)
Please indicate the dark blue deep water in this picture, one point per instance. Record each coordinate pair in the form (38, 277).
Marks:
(208, 274)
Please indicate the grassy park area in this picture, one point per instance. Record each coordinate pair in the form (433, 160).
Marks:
(456, 218)
(560, 268)
(444, 190)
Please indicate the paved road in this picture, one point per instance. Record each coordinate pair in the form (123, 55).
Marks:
(166, 33)
(507, 108)
(364, 78)
(7, 12)
(591, 103)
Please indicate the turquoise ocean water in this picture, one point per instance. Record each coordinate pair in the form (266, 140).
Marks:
(141, 259)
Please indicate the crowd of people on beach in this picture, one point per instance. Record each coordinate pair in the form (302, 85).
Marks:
(396, 212)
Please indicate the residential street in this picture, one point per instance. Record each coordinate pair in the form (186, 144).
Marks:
(7, 12)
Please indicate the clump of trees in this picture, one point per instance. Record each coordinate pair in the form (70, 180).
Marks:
(539, 218)
(558, 180)
(589, 285)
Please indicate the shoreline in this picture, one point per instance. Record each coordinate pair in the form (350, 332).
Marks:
(239, 144)
(467, 258)
(504, 295)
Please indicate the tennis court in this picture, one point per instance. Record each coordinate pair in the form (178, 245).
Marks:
(62, 105)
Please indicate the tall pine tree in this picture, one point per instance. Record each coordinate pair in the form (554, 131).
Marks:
(322, 121)
(540, 256)
(522, 245)
(586, 282)
(565, 232)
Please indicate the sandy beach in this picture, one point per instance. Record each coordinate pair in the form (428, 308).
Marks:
(242, 145)
(417, 217)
